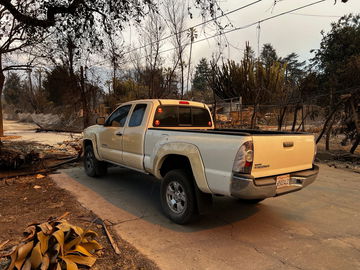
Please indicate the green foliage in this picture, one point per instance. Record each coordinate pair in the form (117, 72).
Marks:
(339, 45)
(251, 79)
(60, 86)
(13, 90)
(160, 82)
(128, 89)
(337, 61)
(294, 68)
(348, 75)
(268, 55)
(202, 75)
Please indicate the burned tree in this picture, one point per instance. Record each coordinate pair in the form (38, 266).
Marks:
(15, 37)
(28, 21)
(175, 13)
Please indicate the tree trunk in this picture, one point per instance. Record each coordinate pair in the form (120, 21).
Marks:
(356, 120)
(295, 118)
(281, 117)
(302, 124)
(253, 117)
(304, 117)
(2, 81)
(182, 79)
(84, 102)
(328, 135)
(327, 121)
(355, 145)
(189, 64)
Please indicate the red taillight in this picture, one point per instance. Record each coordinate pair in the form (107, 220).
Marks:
(157, 123)
(160, 110)
(209, 124)
(184, 102)
(244, 158)
(248, 164)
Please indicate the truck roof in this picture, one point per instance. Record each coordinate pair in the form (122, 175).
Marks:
(169, 102)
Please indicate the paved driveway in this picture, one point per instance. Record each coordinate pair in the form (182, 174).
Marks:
(316, 228)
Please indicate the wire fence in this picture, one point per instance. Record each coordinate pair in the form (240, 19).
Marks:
(233, 114)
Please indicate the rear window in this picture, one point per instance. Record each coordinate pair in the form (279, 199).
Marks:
(137, 115)
(181, 116)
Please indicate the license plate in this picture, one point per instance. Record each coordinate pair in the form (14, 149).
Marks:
(283, 180)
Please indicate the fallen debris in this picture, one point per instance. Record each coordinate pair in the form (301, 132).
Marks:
(14, 158)
(36, 205)
(57, 123)
(3, 244)
(7, 138)
(25, 157)
(55, 244)
(340, 159)
(112, 242)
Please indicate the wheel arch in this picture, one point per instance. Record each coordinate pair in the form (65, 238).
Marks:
(91, 142)
(186, 156)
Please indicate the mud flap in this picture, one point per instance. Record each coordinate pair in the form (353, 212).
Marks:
(204, 201)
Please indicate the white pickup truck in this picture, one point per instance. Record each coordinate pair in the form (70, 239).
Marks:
(176, 142)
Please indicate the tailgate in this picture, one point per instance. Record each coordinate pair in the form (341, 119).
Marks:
(280, 154)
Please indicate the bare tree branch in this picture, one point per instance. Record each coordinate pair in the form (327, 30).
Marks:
(50, 16)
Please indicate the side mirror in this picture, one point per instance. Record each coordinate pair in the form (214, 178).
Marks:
(100, 120)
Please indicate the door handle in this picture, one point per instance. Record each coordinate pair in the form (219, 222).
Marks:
(118, 134)
(288, 144)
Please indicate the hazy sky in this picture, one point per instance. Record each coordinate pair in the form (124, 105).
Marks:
(289, 33)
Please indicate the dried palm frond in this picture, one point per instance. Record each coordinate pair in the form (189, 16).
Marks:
(53, 245)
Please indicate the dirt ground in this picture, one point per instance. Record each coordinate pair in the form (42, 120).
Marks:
(22, 204)
(27, 132)
(339, 155)
(26, 200)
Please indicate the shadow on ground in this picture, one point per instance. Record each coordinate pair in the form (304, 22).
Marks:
(139, 195)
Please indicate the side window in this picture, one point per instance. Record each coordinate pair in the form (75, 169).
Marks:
(118, 118)
(137, 115)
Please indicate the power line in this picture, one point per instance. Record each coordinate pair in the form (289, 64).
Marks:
(317, 15)
(234, 29)
(194, 26)
(251, 24)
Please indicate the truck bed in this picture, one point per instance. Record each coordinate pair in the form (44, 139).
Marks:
(275, 152)
(239, 132)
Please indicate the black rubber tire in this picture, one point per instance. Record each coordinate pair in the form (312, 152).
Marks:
(92, 166)
(186, 182)
(252, 201)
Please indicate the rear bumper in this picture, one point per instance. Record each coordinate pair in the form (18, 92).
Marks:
(247, 187)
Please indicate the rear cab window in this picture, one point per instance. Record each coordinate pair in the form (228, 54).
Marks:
(181, 116)
(137, 115)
